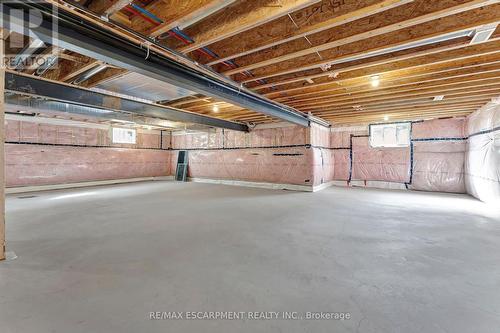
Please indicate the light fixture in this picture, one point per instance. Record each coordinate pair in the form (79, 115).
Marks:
(375, 80)
(483, 33)
(438, 98)
(386, 118)
(215, 108)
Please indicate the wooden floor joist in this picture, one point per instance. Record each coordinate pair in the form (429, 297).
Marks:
(349, 12)
(371, 34)
(430, 56)
(240, 17)
(316, 56)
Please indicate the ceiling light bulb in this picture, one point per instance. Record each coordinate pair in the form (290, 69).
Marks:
(375, 80)
(216, 108)
(386, 118)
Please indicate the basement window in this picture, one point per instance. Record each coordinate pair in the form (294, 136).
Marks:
(124, 135)
(390, 135)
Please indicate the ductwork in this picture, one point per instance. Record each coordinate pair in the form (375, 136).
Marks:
(72, 97)
(92, 40)
(89, 74)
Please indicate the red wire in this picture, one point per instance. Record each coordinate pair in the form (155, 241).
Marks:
(135, 12)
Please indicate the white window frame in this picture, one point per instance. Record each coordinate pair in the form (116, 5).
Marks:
(124, 135)
(397, 144)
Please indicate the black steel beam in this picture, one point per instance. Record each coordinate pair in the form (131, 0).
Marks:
(50, 90)
(88, 39)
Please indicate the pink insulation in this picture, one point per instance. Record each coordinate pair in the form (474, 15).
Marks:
(276, 165)
(29, 165)
(267, 137)
(341, 137)
(284, 165)
(341, 164)
(384, 164)
(32, 164)
(197, 140)
(32, 132)
(482, 163)
(439, 166)
(330, 165)
(439, 128)
(320, 135)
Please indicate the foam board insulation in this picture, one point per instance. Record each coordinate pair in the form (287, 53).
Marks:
(140, 86)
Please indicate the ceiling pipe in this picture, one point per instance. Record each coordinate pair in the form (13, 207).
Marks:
(92, 40)
(89, 74)
(72, 97)
(47, 65)
(15, 103)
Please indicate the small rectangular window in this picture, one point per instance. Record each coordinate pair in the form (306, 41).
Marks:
(124, 135)
(390, 135)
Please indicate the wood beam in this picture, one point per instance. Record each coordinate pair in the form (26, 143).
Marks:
(444, 111)
(372, 33)
(416, 30)
(434, 90)
(408, 67)
(406, 116)
(465, 98)
(107, 6)
(396, 100)
(476, 105)
(402, 79)
(431, 80)
(82, 69)
(385, 59)
(182, 13)
(283, 32)
(241, 16)
(116, 7)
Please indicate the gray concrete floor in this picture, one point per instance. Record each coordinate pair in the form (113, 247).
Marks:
(101, 259)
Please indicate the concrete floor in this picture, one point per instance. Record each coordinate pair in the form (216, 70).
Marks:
(101, 259)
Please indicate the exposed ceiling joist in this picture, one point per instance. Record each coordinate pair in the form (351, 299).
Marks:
(117, 6)
(370, 34)
(449, 56)
(90, 40)
(184, 13)
(348, 12)
(241, 16)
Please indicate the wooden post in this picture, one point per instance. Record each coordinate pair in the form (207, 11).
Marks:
(2, 143)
